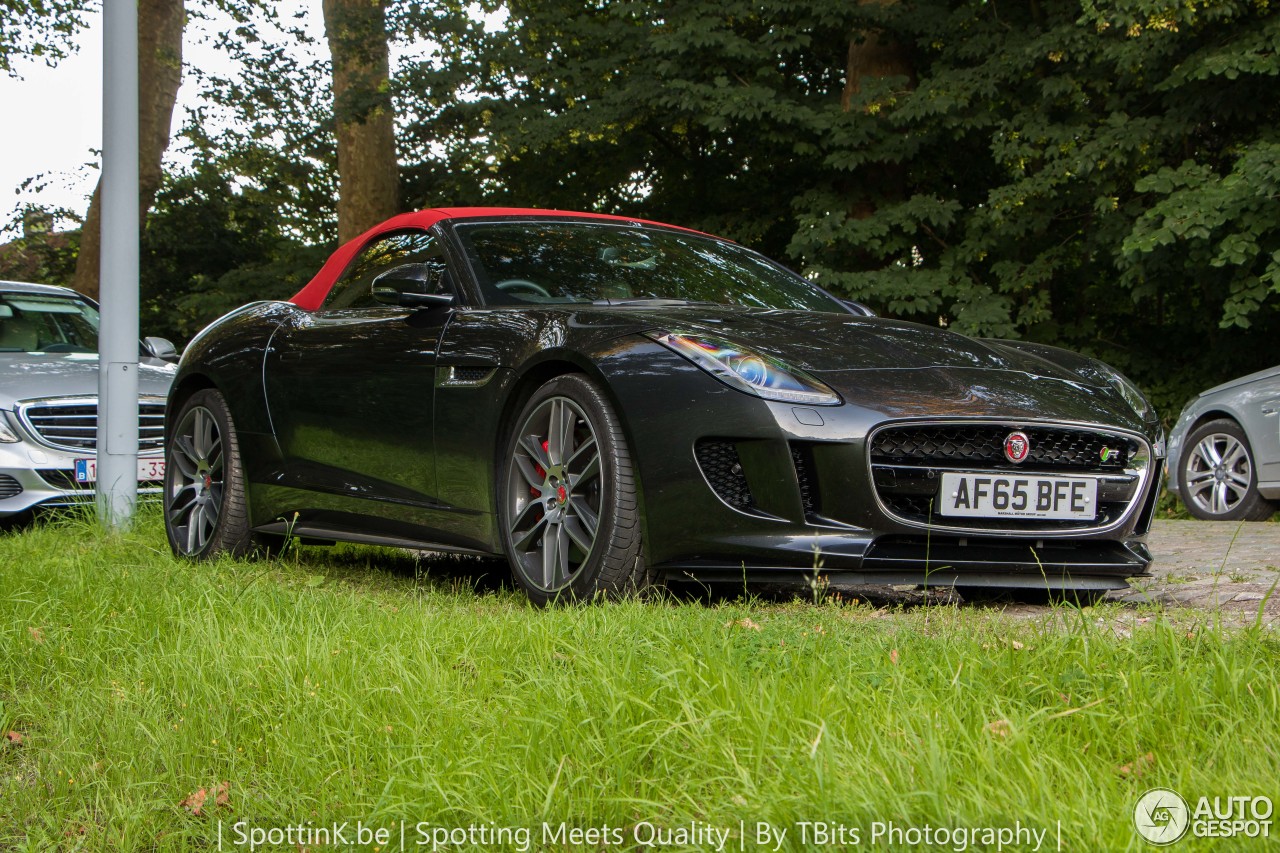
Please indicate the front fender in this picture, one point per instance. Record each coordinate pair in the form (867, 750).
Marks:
(228, 354)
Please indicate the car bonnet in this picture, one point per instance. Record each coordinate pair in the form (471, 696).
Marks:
(31, 376)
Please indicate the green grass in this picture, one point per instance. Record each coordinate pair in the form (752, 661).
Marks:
(353, 685)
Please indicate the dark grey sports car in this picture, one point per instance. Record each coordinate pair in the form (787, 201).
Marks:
(611, 403)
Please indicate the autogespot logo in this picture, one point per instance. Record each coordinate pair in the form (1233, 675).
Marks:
(1161, 816)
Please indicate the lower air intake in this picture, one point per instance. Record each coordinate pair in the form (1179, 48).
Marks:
(718, 459)
(9, 487)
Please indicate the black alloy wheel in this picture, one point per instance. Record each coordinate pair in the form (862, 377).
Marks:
(205, 510)
(569, 508)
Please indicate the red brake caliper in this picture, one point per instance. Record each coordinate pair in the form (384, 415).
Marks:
(542, 472)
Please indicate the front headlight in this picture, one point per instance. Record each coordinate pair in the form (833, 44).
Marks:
(748, 371)
(7, 435)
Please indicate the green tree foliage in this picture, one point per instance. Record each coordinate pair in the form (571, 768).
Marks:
(250, 213)
(1099, 175)
(39, 29)
(36, 251)
(211, 246)
(266, 123)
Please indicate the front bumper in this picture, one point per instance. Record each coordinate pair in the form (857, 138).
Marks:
(45, 477)
(796, 496)
(932, 561)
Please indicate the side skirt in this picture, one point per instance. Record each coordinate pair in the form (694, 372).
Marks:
(357, 537)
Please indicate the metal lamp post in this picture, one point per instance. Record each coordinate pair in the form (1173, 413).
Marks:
(117, 480)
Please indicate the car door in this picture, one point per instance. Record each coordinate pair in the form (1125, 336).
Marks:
(351, 385)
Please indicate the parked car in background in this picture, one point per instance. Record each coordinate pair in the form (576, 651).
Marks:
(1224, 451)
(610, 403)
(49, 399)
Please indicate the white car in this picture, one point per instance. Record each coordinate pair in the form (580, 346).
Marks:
(49, 399)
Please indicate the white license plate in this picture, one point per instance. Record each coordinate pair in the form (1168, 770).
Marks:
(148, 469)
(1011, 496)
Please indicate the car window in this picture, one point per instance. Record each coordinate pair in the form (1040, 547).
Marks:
(38, 323)
(354, 288)
(556, 262)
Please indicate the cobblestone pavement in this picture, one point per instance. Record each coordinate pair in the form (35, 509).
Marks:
(1224, 565)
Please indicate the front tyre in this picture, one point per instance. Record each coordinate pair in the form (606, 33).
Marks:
(567, 497)
(205, 510)
(1218, 477)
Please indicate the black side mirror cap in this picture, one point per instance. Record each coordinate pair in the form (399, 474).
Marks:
(412, 286)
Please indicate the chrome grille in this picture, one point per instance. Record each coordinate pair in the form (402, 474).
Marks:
(907, 462)
(72, 424)
(1052, 449)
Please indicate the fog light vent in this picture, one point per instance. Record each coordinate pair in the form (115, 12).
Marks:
(718, 459)
(9, 487)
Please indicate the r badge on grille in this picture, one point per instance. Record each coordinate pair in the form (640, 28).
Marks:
(1017, 447)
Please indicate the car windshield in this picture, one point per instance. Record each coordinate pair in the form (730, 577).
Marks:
(36, 322)
(575, 262)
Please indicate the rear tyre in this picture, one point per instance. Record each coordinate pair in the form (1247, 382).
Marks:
(1218, 476)
(205, 510)
(568, 501)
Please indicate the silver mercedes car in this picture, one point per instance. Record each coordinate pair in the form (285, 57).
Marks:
(1224, 452)
(49, 399)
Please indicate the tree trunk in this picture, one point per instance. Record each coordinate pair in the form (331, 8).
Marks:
(874, 54)
(160, 25)
(368, 179)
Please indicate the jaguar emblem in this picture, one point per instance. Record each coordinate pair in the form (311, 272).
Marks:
(1017, 447)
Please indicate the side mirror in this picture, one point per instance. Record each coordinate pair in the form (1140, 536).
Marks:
(412, 286)
(161, 348)
(857, 308)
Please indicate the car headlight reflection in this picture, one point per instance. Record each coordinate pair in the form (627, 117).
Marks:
(747, 370)
(7, 435)
(1132, 393)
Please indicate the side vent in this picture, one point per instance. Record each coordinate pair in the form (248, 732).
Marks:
(718, 459)
(463, 376)
(471, 374)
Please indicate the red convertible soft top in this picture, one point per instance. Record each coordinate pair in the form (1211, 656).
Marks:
(312, 296)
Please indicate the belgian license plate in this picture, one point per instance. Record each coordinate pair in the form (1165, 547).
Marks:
(997, 496)
(148, 469)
